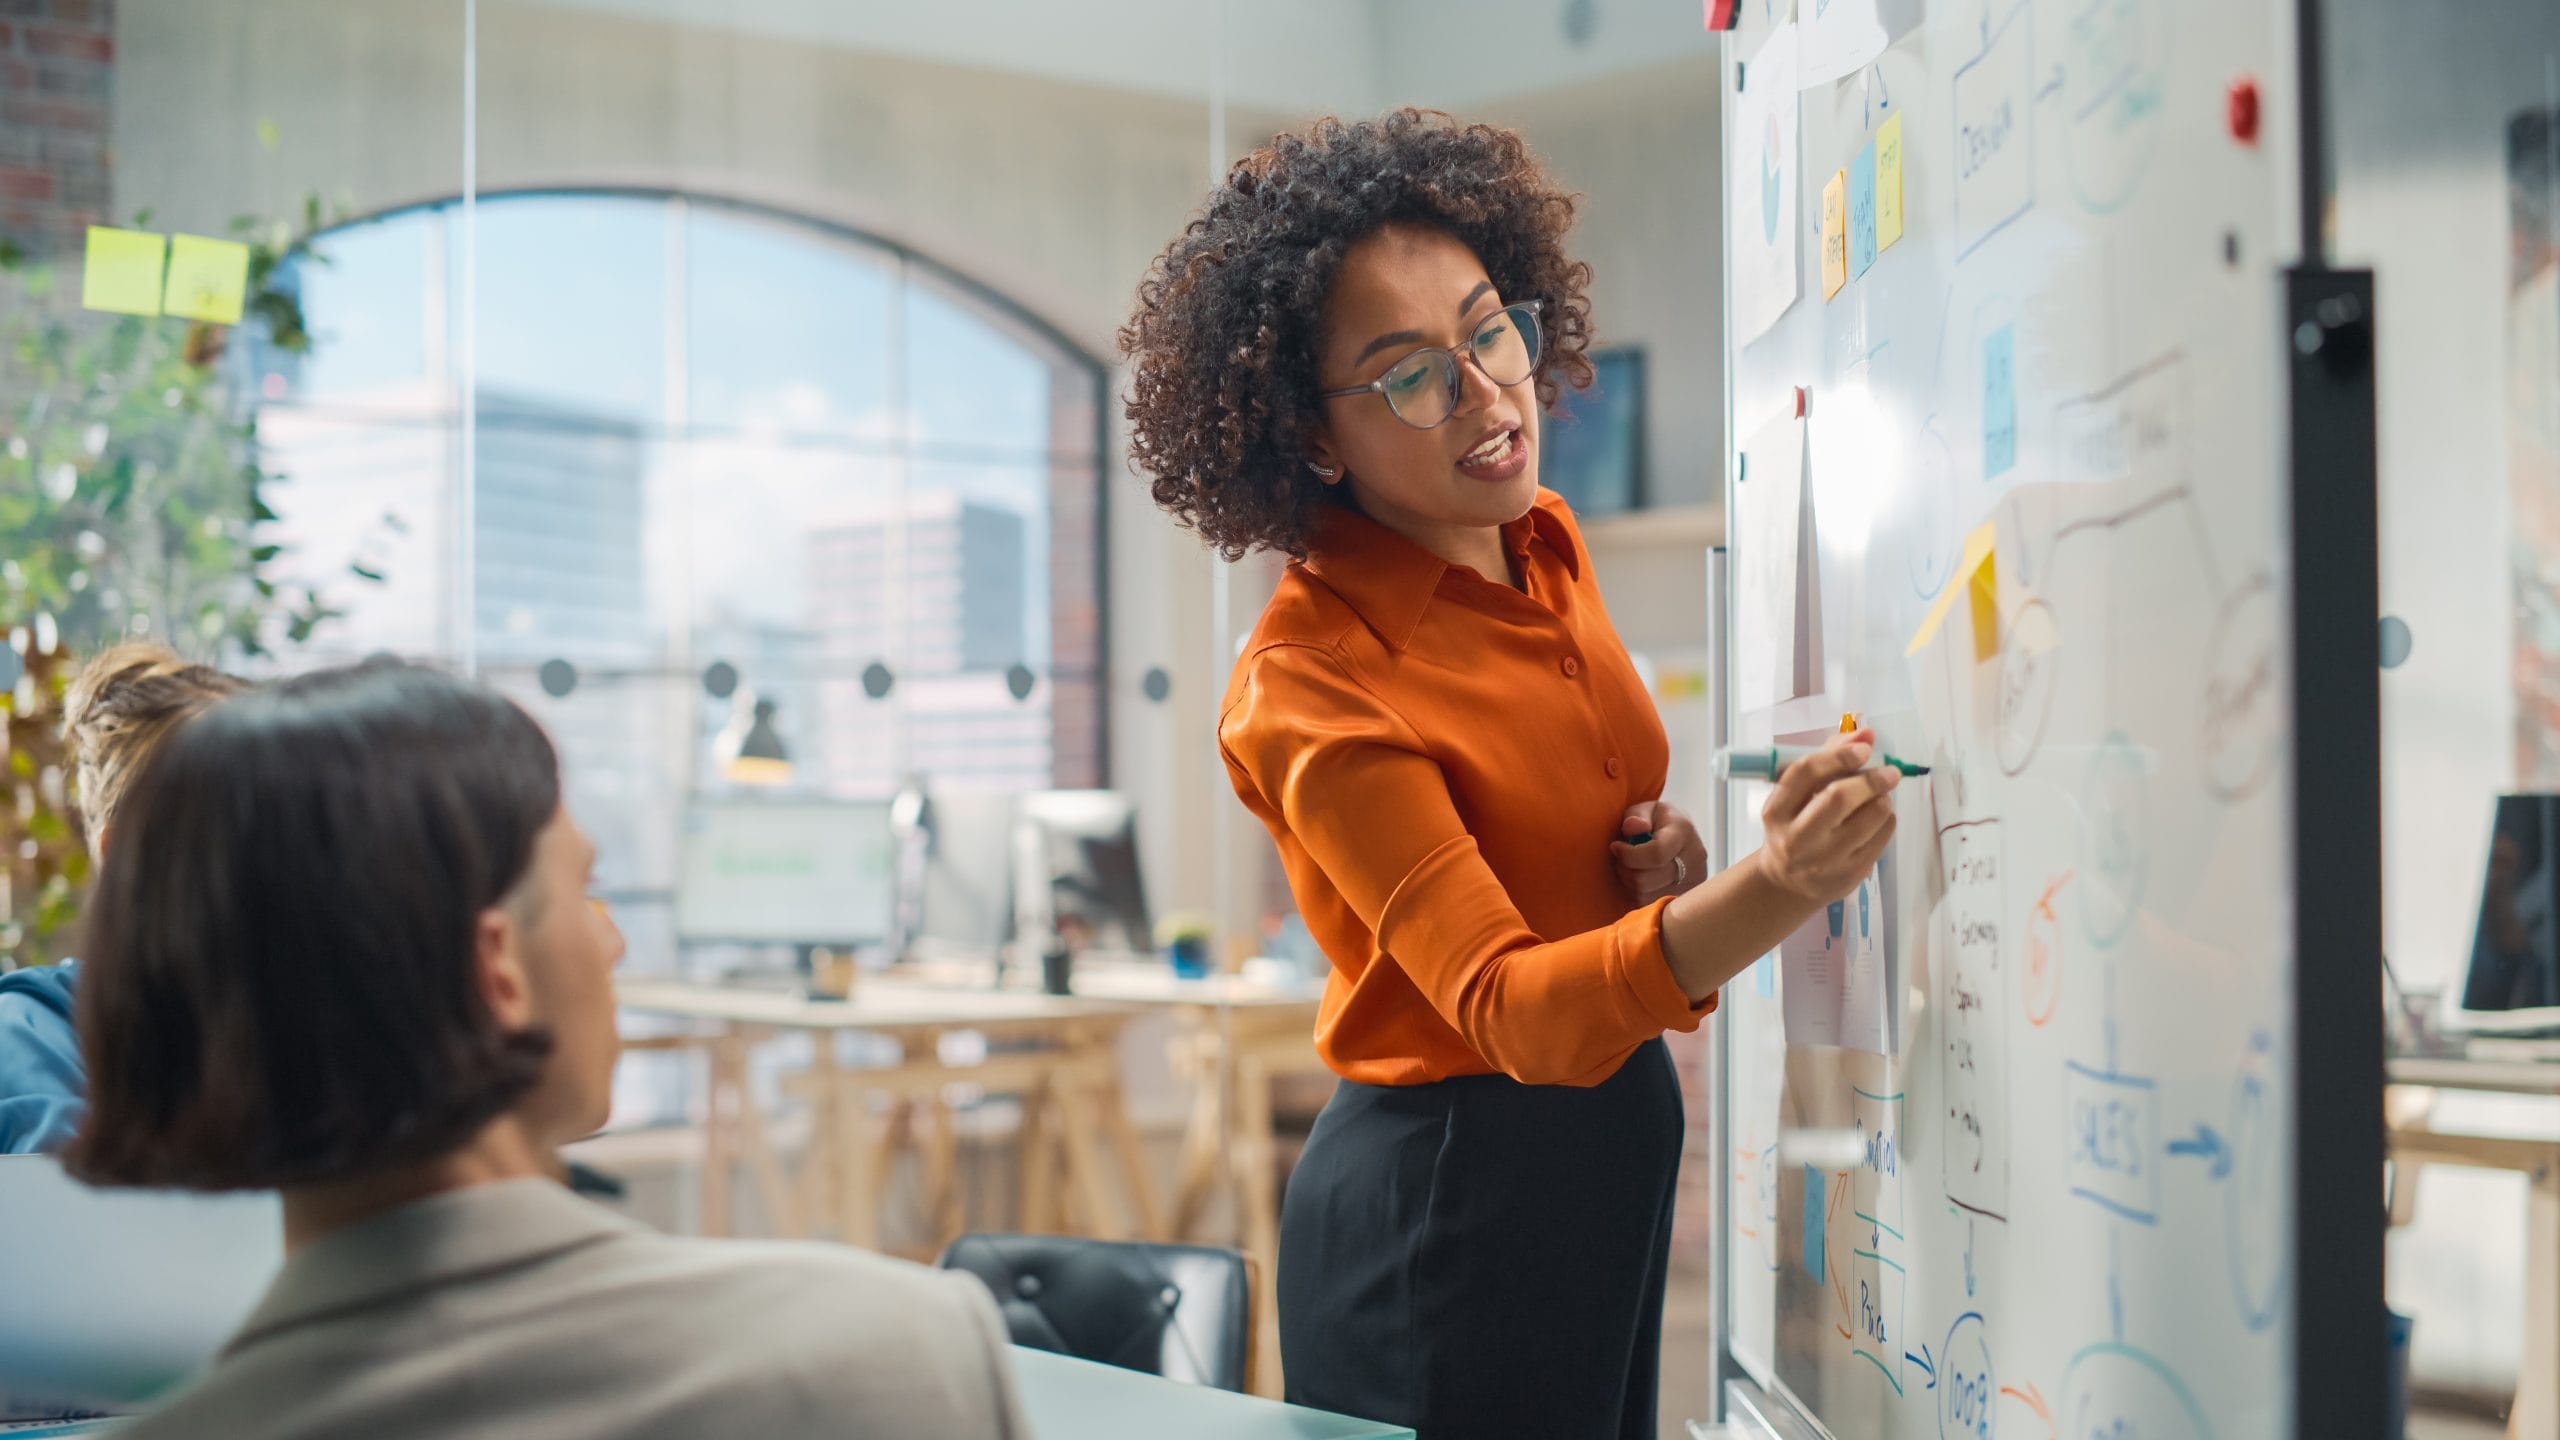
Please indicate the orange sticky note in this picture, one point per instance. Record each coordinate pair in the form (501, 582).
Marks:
(1976, 579)
(208, 279)
(122, 271)
(1835, 233)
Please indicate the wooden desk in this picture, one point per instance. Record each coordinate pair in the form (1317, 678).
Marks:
(2536, 1412)
(1067, 1074)
(1234, 1037)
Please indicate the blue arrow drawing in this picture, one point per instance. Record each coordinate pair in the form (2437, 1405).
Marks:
(1922, 1360)
(2206, 1146)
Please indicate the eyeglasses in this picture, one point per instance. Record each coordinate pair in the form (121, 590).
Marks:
(1422, 388)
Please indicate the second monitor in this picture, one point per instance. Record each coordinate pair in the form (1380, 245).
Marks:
(1075, 872)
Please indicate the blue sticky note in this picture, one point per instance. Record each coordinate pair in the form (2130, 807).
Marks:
(1765, 971)
(1862, 210)
(1814, 1211)
(1999, 402)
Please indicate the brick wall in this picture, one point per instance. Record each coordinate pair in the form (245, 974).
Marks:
(57, 68)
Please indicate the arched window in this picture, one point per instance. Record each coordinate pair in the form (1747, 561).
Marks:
(689, 470)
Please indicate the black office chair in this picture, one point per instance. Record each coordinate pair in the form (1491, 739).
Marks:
(1184, 1312)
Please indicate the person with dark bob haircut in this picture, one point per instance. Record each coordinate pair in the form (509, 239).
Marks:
(342, 947)
(1343, 358)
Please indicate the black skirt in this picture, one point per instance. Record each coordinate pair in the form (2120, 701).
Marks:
(1482, 1259)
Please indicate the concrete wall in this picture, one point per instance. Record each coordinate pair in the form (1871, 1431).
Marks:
(1642, 148)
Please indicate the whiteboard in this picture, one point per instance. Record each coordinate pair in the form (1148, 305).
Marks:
(2056, 1201)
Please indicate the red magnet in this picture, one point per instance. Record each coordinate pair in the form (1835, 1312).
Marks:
(2242, 104)
(1802, 396)
(1723, 14)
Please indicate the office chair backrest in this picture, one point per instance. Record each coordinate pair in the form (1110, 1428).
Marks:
(1184, 1312)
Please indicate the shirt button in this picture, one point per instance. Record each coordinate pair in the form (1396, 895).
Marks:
(1614, 767)
(1572, 667)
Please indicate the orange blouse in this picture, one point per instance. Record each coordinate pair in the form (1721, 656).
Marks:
(1444, 761)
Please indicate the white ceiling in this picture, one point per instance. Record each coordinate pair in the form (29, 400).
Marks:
(1288, 55)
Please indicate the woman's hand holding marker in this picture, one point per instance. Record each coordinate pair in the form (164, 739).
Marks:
(1828, 820)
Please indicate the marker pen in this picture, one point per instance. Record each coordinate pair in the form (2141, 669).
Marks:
(1768, 762)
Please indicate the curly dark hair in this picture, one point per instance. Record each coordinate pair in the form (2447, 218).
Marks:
(1230, 317)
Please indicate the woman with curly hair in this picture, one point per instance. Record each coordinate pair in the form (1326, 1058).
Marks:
(1343, 358)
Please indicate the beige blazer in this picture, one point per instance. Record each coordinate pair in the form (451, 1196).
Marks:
(517, 1311)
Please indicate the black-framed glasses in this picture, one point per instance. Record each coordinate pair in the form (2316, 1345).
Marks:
(1422, 388)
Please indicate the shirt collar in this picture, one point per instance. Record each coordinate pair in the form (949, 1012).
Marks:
(450, 1236)
(1389, 581)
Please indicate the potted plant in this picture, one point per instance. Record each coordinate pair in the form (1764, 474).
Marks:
(1186, 937)
(131, 506)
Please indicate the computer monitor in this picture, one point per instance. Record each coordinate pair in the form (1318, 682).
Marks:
(1075, 871)
(786, 870)
(2515, 950)
(116, 1296)
(968, 871)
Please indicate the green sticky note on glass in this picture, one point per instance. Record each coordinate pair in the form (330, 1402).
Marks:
(122, 272)
(207, 279)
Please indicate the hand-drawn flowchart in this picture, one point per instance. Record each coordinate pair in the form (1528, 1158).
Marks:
(1996, 1226)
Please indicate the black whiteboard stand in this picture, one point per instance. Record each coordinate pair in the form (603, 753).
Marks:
(2339, 1213)
(2338, 1206)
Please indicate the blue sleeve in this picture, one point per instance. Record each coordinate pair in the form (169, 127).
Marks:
(42, 1084)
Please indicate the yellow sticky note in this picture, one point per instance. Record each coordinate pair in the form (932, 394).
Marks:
(207, 279)
(122, 272)
(1835, 233)
(1889, 181)
(1976, 579)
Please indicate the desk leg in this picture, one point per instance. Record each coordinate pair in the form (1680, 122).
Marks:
(1084, 1160)
(1039, 1166)
(897, 1129)
(839, 1157)
(1257, 1160)
(2537, 1407)
(1258, 1184)
(1133, 1156)
(723, 1083)
(821, 1192)
(1200, 1141)
(941, 1173)
(762, 1162)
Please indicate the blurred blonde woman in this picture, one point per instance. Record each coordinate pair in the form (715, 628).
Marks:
(119, 709)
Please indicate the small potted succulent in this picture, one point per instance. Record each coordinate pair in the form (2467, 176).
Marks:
(1185, 938)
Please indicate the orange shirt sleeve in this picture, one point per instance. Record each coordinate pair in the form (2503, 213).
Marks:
(1315, 752)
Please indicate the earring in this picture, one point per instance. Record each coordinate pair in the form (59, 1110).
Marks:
(1323, 472)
